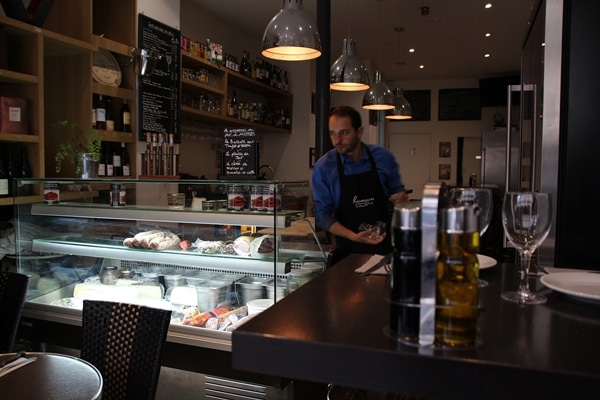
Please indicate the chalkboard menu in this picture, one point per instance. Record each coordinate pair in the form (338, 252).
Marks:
(240, 154)
(459, 104)
(158, 94)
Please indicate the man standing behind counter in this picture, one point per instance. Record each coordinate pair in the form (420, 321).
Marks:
(354, 183)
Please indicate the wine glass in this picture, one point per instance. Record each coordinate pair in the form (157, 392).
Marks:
(526, 218)
(483, 199)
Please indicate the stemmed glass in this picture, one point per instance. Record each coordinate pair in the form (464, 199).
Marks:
(526, 218)
(483, 199)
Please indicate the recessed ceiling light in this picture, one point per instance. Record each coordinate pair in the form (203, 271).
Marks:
(487, 55)
(421, 66)
(488, 5)
(411, 50)
(488, 34)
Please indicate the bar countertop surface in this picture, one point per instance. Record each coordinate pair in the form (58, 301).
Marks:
(334, 329)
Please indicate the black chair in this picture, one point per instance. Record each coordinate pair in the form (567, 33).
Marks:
(13, 288)
(125, 342)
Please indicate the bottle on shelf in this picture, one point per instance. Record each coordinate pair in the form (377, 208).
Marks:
(245, 67)
(110, 117)
(3, 177)
(12, 174)
(116, 161)
(109, 160)
(288, 119)
(25, 172)
(102, 161)
(125, 117)
(100, 113)
(125, 160)
(94, 101)
(232, 108)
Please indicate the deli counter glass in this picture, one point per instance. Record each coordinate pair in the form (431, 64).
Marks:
(213, 260)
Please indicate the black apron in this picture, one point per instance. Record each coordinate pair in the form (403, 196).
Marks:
(362, 200)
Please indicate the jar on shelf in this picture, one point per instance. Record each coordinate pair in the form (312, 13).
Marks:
(109, 275)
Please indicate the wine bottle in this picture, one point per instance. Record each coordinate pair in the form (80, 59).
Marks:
(116, 162)
(110, 117)
(24, 190)
(100, 113)
(125, 160)
(246, 68)
(94, 111)
(102, 161)
(232, 109)
(3, 177)
(109, 161)
(125, 117)
(12, 174)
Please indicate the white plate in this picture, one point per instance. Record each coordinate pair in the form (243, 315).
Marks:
(583, 285)
(485, 261)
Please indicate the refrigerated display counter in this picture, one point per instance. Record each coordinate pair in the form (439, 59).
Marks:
(203, 264)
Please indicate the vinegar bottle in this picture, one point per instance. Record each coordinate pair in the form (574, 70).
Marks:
(406, 272)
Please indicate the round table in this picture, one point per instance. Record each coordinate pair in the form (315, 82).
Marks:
(52, 376)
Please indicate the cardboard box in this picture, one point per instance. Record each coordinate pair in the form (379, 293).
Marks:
(14, 115)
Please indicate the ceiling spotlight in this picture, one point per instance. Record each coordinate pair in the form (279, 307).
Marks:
(424, 10)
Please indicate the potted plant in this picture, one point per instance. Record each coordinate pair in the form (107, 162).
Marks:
(80, 147)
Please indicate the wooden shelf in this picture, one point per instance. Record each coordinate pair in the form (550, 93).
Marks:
(17, 77)
(196, 114)
(18, 138)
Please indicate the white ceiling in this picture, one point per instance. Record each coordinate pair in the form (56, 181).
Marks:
(449, 41)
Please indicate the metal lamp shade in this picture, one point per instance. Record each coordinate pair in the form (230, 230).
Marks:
(290, 35)
(379, 96)
(348, 72)
(403, 109)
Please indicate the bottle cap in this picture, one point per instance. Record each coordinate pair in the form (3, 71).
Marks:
(462, 219)
(407, 216)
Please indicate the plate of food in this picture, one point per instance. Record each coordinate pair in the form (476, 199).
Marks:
(581, 285)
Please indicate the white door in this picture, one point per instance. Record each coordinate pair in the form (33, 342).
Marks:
(413, 153)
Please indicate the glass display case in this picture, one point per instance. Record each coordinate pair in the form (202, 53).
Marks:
(205, 258)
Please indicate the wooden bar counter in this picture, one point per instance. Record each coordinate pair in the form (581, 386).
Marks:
(334, 329)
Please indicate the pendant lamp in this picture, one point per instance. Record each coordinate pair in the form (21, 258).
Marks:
(348, 72)
(379, 96)
(290, 35)
(403, 110)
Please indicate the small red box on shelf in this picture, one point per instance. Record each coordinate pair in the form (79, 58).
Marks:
(14, 115)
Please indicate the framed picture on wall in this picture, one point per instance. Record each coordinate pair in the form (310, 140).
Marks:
(445, 149)
(444, 172)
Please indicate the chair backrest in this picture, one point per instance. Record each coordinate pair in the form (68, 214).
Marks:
(13, 288)
(125, 342)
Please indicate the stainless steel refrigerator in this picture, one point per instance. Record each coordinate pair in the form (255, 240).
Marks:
(494, 159)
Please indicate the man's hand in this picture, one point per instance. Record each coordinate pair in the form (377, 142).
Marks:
(398, 198)
(365, 237)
